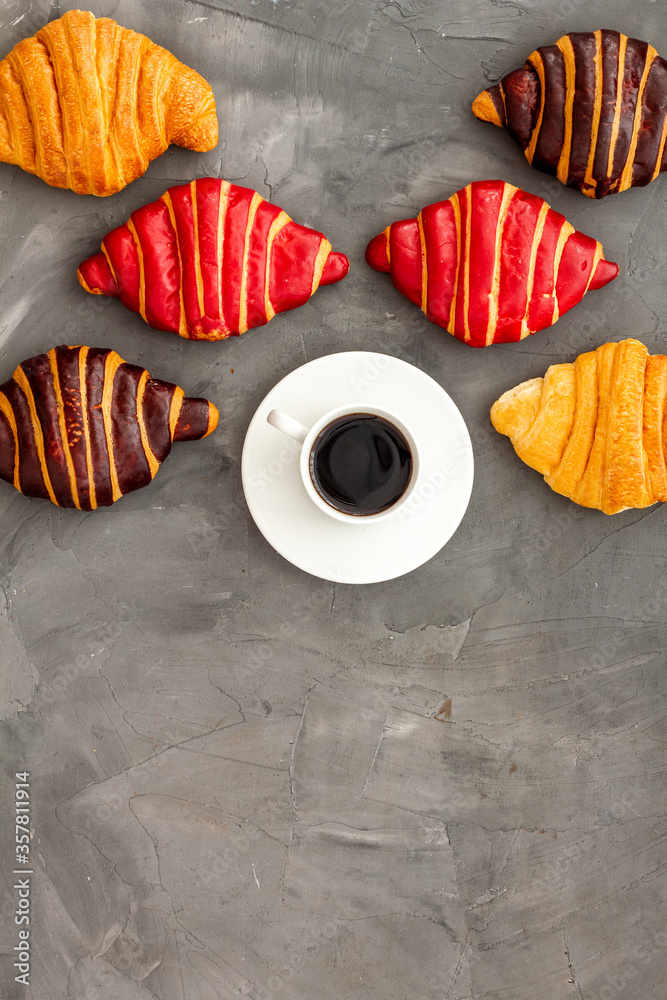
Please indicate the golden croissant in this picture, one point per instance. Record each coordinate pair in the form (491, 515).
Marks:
(492, 264)
(591, 109)
(87, 104)
(594, 428)
(209, 260)
(81, 427)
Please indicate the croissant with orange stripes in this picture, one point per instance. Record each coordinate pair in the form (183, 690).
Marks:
(87, 104)
(210, 260)
(591, 110)
(81, 427)
(595, 428)
(492, 264)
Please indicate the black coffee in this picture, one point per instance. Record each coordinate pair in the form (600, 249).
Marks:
(360, 464)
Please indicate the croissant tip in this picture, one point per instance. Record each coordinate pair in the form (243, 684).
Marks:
(485, 107)
(197, 419)
(95, 276)
(202, 136)
(605, 272)
(82, 281)
(377, 252)
(336, 267)
(213, 417)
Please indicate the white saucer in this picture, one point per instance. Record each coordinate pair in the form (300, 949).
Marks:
(358, 553)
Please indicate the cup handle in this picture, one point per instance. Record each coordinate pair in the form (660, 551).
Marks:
(288, 425)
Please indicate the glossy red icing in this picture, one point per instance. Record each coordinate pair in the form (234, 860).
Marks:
(605, 272)
(196, 261)
(492, 264)
(518, 233)
(335, 269)
(442, 259)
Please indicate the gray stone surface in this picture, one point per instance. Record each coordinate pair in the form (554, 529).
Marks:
(249, 782)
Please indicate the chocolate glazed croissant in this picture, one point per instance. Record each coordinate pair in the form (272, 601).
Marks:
(210, 260)
(81, 427)
(595, 428)
(86, 104)
(590, 109)
(492, 264)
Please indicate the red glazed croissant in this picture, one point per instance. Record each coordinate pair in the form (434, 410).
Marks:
(492, 264)
(590, 109)
(86, 104)
(210, 260)
(81, 427)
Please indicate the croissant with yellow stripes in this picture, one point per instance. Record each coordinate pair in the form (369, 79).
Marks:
(594, 428)
(87, 104)
(591, 110)
(210, 260)
(81, 427)
(492, 264)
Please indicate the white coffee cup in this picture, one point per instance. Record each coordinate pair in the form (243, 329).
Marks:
(308, 436)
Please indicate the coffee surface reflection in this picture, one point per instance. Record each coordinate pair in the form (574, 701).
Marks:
(360, 464)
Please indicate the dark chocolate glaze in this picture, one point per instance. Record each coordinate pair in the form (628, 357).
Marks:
(59, 406)
(192, 422)
(67, 359)
(583, 44)
(593, 122)
(157, 404)
(30, 471)
(610, 48)
(522, 101)
(7, 450)
(635, 60)
(98, 442)
(653, 119)
(40, 379)
(552, 130)
(132, 466)
(497, 95)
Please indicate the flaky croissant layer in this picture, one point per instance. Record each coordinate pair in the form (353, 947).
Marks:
(595, 429)
(87, 104)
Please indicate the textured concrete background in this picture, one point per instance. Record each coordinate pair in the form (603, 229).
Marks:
(249, 782)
